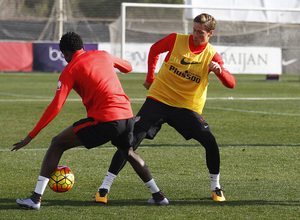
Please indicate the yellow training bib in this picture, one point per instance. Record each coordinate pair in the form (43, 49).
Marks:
(182, 80)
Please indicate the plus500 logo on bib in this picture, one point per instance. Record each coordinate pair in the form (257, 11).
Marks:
(48, 58)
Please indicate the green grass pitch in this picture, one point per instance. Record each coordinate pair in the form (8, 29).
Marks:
(256, 124)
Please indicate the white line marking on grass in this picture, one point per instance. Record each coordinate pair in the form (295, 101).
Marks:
(152, 146)
(141, 100)
(255, 112)
(20, 95)
(25, 100)
(250, 98)
(137, 100)
(36, 100)
(45, 149)
(255, 99)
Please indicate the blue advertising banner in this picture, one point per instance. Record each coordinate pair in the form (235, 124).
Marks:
(48, 58)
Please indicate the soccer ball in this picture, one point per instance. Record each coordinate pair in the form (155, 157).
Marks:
(62, 179)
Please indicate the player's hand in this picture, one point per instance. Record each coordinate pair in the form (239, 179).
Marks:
(22, 143)
(215, 67)
(146, 85)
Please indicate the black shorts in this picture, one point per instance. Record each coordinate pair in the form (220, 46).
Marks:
(94, 133)
(154, 113)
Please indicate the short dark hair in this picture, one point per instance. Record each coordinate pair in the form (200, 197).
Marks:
(206, 19)
(70, 41)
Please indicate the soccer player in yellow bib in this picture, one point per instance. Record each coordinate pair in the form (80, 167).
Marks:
(177, 96)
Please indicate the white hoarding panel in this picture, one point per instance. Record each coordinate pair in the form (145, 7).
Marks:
(257, 60)
(254, 60)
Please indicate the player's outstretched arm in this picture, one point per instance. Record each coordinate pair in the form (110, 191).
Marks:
(164, 45)
(22, 143)
(216, 65)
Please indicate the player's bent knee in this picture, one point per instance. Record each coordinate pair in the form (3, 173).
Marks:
(54, 141)
(127, 153)
(58, 144)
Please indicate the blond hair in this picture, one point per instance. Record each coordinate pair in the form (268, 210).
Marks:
(206, 19)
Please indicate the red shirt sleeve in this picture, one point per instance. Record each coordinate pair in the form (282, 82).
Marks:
(226, 77)
(164, 45)
(122, 65)
(64, 87)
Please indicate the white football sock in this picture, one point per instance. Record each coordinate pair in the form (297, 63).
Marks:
(41, 185)
(215, 181)
(108, 181)
(152, 186)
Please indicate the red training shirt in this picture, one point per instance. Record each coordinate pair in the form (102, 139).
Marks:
(92, 75)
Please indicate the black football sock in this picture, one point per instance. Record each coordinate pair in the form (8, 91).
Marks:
(159, 196)
(36, 198)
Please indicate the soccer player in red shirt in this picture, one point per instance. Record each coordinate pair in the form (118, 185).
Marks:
(178, 93)
(109, 115)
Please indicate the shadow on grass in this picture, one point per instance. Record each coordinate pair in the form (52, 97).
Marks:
(9, 204)
(209, 201)
(227, 145)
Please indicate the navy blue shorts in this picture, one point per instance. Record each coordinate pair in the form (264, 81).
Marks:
(94, 133)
